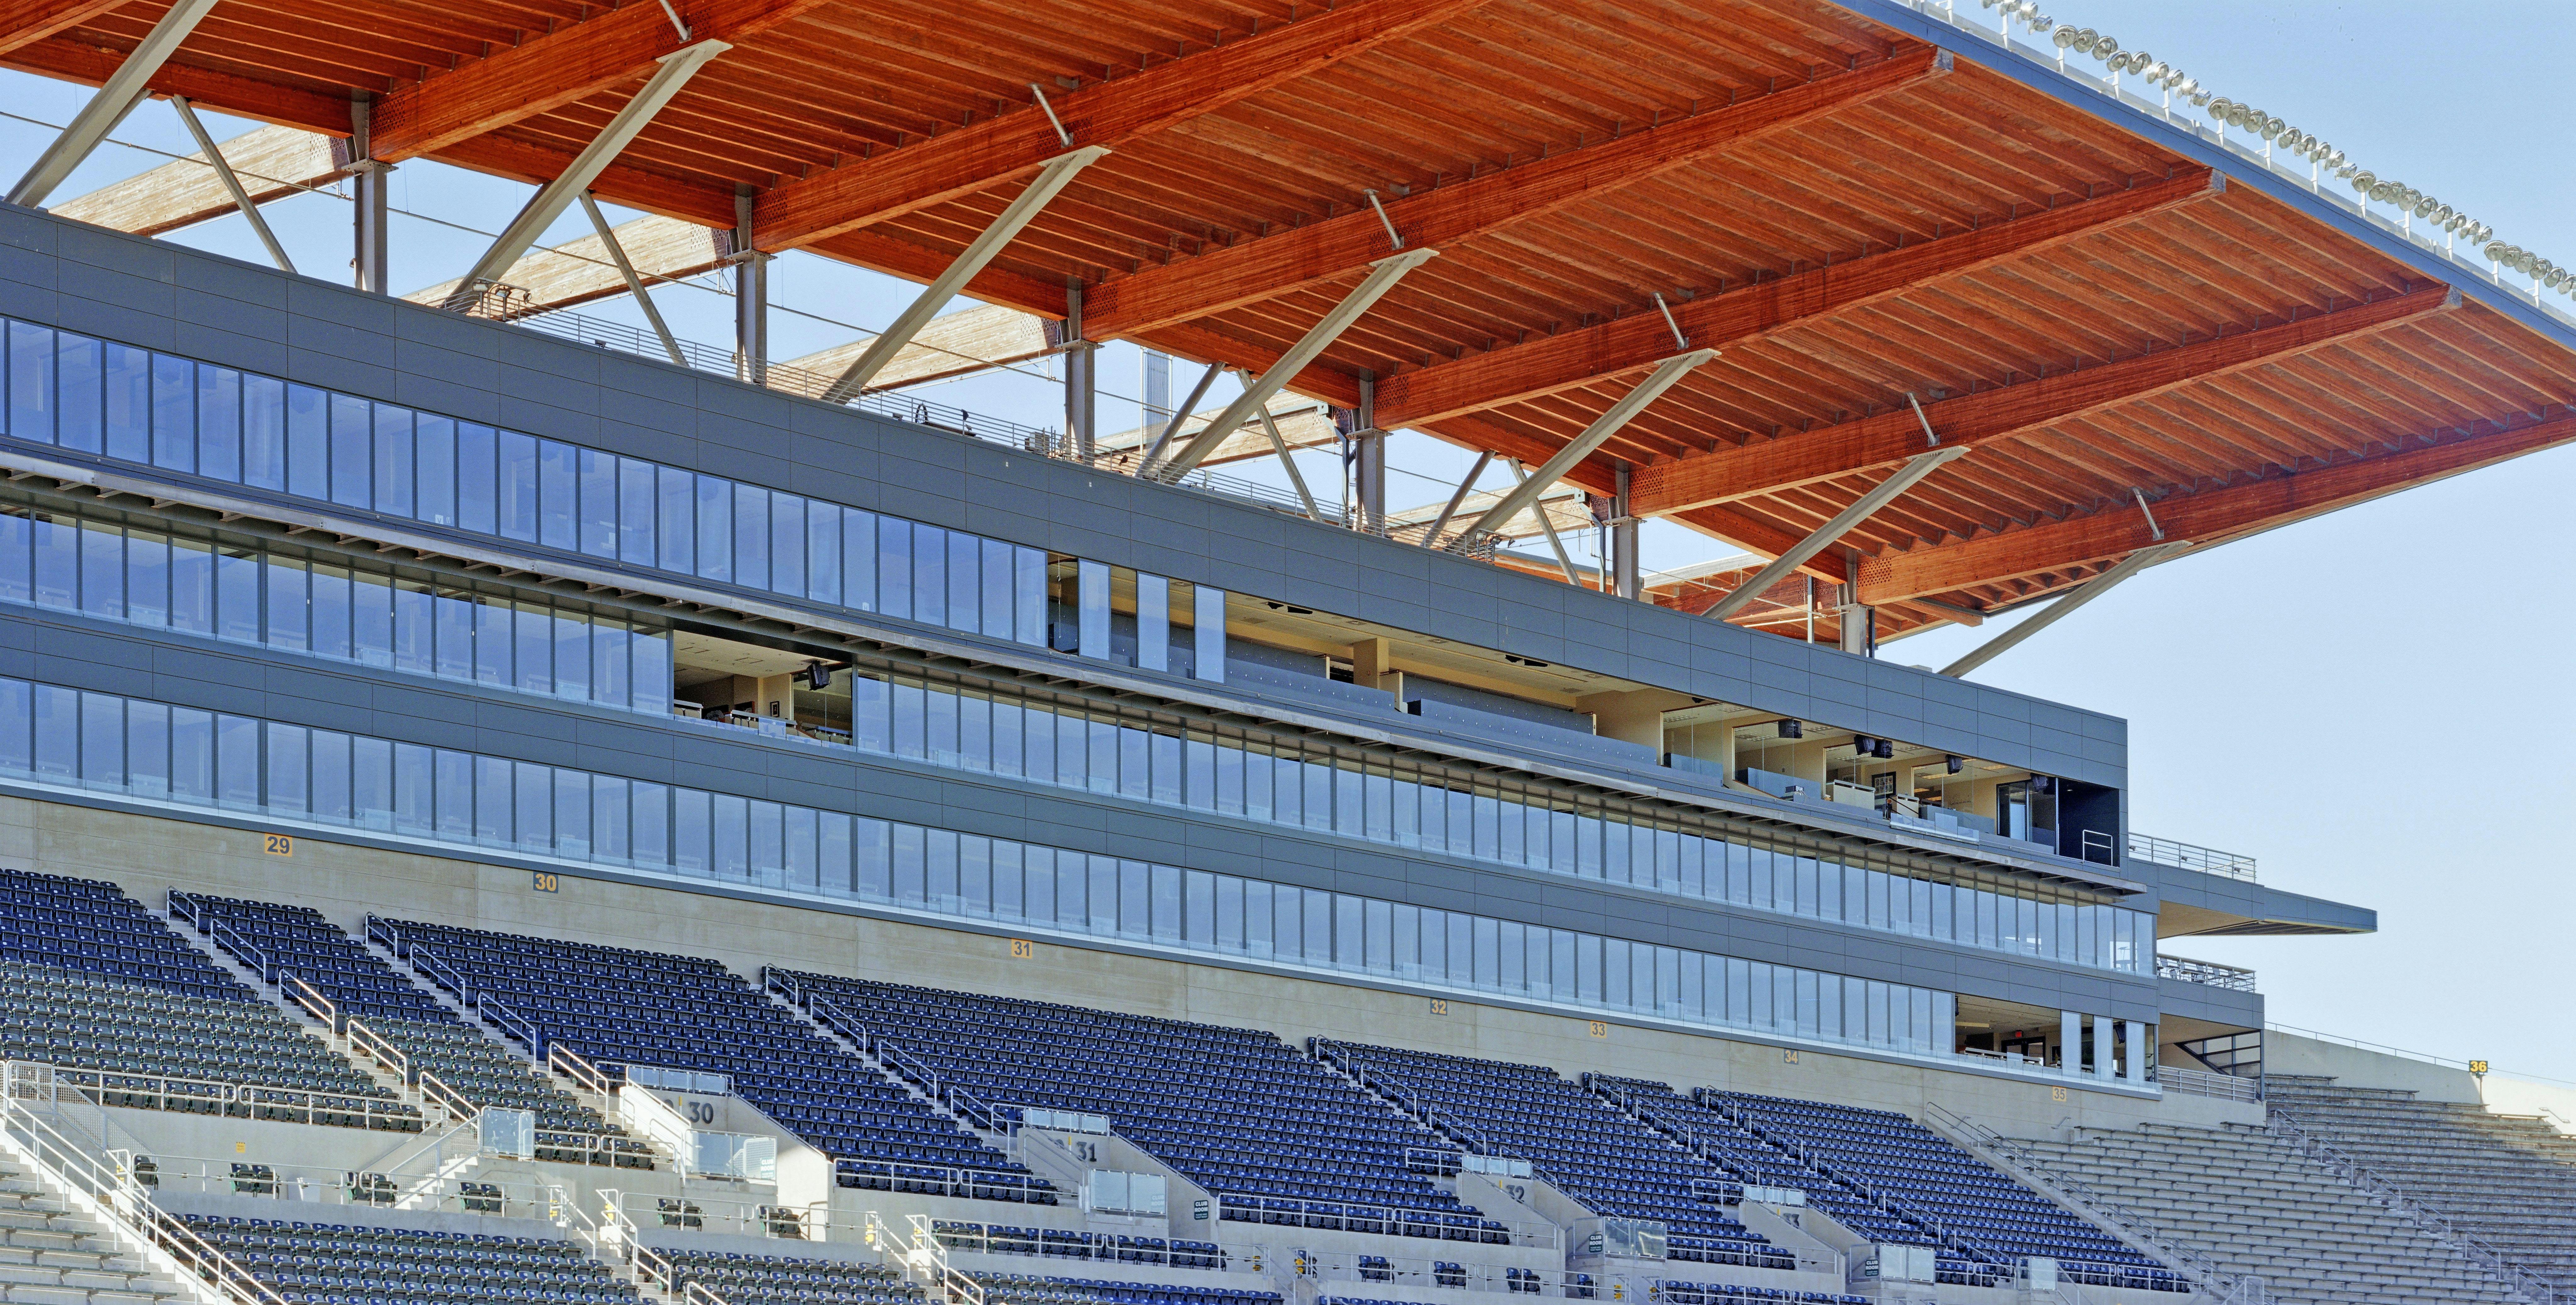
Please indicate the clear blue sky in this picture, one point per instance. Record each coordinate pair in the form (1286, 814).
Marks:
(2376, 704)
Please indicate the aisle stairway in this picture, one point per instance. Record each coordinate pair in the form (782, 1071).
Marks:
(2508, 1181)
(51, 1252)
(2256, 1205)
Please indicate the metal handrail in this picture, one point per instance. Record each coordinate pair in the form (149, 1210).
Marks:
(2235, 978)
(2431, 1219)
(2190, 856)
(379, 1113)
(2027, 1166)
(114, 1195)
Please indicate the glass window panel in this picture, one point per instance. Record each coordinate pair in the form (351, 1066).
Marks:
(148, 749)
(787, 544)
(393, 460)
(517, 487)
(174, 413)
(965, 572)
(998, 588)
(31, 383)
(822, 551)
(263, 432)
(128, 376)
(929, 574)
(308, 442)
(434, 469)
(289, 768)
(715, 528)
(352, 440)
(599, 503)
(331, 611)
(219, 421)
(558, 495)
(894, 567)
(77, 359)
(479, 488)
(859, 560)
(751, 536)
(675, 498)
(290, 604)
(102, 568)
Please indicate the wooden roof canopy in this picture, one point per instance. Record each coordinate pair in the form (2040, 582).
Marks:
(1846, 211)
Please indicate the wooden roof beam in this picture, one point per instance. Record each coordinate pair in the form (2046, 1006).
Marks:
(1769, 466)
(26, 22)
(1015, 145)
(548, 72)
(272, 163)
(1553, 364)
(1303, 256)
(2207, 518)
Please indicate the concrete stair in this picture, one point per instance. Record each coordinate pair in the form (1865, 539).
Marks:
(53, 1254)
(2508, 1181)
(2256, 1205)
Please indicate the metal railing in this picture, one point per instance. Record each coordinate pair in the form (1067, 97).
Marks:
(2289, 166)
(966, 1236)
(2190, 856)
(1393, 1221)
(613, 1239)
(113, 1194)
(2234, 978)
(2203, 1083)
(2217, 1285)
(2433, 1220)
(218, 1097)
(917, 1250)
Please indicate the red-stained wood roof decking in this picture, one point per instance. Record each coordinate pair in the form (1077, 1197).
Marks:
(1847, 214)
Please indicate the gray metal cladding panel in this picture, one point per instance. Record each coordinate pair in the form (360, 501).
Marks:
(126, 287)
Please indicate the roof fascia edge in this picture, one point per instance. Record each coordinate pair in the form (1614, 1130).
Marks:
(2047, 81)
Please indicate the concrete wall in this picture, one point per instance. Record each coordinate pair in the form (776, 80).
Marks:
(2288, 1053)
(148, 856)
(161, 296)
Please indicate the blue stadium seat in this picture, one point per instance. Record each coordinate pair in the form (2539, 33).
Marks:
(1612, 1164)
(299, 941)
(329, 1264)
(1235, 1111)
(629, 1007)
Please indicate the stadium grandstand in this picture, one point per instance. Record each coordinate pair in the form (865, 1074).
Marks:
(504, 801)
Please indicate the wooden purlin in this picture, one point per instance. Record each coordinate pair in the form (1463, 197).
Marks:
(235, 93)
(2206, 518)
(1269, 266)
(1767, 466)
(272, 162)
(579, 271)
(1014, 145)
(26, 22)
(549, 72)
(1551, 364)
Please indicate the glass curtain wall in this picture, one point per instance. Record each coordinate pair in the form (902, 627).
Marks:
(159, 410)
(100, 742)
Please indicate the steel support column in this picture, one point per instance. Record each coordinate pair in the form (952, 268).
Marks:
(1383, 275)
(1431, 537)
(1666, 375)
(1625, 572)
(1879, 496)
(232, 184)
(558, 195)
(634, 283)
(1051, 179)
(750, 296)
(370, 254)
(2075, 598)
(115, 98)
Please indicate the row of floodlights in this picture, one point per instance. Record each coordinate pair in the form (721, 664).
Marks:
(2307, 145)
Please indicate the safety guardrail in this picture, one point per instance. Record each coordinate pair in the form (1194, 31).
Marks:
(220, 1097)
(2435, 1222)
(2190, 856)
(2019, 1161)
(2234, 978)
(117, 1197)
